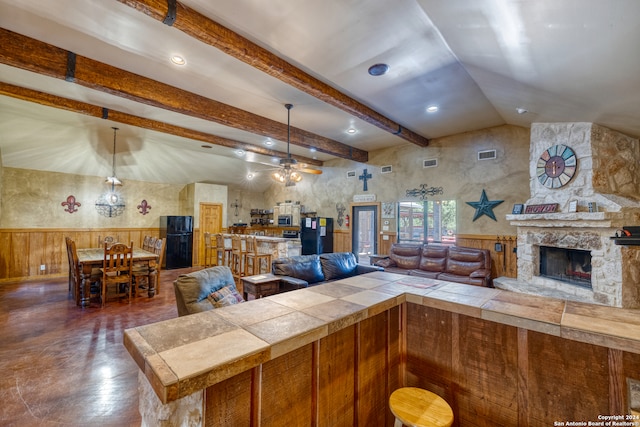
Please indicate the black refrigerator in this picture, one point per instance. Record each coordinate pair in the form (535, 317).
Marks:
(316, 235)
(178, 230)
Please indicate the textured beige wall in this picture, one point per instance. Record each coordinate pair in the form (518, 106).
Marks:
(459, 173)
(32, 199)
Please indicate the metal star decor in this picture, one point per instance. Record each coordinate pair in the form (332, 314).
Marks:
(484, 206)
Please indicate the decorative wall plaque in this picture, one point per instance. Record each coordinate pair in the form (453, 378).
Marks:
(71, 204)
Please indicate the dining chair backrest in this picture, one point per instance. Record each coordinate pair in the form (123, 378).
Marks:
(159, 250)
(117, 258)
(145, 244)
(152, 243)
(74, 269)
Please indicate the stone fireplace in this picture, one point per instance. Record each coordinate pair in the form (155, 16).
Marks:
(608, 178)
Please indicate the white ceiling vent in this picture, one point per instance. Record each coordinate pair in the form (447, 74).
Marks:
(487, 155)
(386, 169)
(429, 163)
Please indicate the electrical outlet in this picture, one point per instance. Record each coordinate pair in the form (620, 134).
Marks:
(43, 267)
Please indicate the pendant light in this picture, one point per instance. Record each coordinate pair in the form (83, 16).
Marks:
(111, 203)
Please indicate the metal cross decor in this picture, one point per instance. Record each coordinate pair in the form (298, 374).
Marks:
(236, 205)
(364, 177)
(423, 191)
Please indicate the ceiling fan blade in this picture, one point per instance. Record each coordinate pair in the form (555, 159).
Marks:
(312, 171)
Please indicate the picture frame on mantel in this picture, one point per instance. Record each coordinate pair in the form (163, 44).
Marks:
(573, 206)
(517, 209)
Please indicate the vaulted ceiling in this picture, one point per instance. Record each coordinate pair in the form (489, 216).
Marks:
(70, 70)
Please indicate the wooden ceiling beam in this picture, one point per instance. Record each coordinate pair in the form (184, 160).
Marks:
(210, 32)
(33, 55)
(55, 101)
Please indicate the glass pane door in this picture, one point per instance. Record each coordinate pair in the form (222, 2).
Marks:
(365, 231)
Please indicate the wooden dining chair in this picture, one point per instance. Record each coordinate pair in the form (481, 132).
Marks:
(117, 270)
(254, 258)
(145, 243)
(142, 273)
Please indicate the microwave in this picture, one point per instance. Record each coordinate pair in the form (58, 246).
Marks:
(284, 220)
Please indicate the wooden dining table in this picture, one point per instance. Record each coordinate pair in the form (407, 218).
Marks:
(91, 259)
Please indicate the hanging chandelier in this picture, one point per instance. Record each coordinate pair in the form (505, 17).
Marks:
(287, 174)
(111, 203)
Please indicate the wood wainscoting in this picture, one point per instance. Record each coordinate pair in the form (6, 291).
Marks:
(504, 263)
(24, 251)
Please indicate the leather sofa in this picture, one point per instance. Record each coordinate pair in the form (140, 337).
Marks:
(193, 289)
(302, 271)
(451, 263)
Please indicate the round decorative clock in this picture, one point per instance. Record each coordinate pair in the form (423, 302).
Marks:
(556, 166)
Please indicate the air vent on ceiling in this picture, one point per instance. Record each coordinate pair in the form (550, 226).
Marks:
(386, 169)
(487, 155)
(351, 174)
(429, 163)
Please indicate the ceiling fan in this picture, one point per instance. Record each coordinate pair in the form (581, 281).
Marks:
(289, 171)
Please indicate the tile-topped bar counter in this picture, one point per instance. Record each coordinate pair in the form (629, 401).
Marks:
(180, 358)
(278, 247)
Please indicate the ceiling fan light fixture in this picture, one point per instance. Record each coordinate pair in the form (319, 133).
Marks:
(286, 174)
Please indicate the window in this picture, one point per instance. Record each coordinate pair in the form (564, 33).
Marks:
(434, 219)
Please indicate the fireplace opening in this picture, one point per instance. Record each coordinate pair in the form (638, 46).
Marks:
(567, 265)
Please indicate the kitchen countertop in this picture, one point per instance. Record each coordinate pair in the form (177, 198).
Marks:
(183, 355)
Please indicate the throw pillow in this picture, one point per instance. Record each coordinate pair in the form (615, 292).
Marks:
(227, 295)
(386, 262)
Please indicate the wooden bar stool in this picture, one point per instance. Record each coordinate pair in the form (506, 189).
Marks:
(416, 407)
(238, 253)
(208, 250)
(223, 253)
(254, 258)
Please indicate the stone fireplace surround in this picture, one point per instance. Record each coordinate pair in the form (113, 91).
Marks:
(609, 175)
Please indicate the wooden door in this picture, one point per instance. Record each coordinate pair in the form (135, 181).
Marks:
(210, 222)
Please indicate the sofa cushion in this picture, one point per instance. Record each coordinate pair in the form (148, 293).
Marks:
(227, 295)
(434, 258)
(463, 261)
(305, 267)
(338, 265)
(192, 289)
(406, 255)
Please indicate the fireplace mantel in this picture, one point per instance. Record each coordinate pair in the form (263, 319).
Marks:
(569, 219)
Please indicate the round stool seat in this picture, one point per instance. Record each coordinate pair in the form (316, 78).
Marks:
(420, 408)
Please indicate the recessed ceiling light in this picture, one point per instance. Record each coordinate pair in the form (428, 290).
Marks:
(178, 60)
(250, 176)
(378, 69)
(268, 142)
(313, 149)
(240, 152)
(432, 108)
(351, 131)
(521, 110)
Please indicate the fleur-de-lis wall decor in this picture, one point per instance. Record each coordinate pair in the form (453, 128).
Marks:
(144, 207)
(71, 204)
